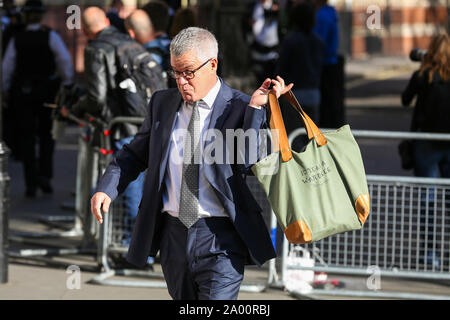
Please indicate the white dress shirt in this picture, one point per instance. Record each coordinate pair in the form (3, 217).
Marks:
(64, 67)
(209, 204)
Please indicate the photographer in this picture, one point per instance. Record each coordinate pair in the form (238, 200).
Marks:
(262, 36)
(431, 85)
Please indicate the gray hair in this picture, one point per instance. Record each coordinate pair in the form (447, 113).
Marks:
(201, 41)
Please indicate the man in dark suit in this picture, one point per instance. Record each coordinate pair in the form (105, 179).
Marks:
(200, 214)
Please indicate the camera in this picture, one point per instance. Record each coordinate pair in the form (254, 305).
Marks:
(67, 96)
(417, 54)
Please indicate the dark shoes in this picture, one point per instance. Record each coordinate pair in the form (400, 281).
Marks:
(45, 186)
(30, 193)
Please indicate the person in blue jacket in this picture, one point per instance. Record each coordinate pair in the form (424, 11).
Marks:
(331, 107)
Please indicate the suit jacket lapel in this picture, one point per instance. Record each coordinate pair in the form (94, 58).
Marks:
(168, 113)
(221, 107)
(167, 121)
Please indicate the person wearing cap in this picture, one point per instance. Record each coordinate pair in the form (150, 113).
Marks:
(35, 64)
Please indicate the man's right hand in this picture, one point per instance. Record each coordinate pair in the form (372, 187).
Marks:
(64, 111)
(100, 200)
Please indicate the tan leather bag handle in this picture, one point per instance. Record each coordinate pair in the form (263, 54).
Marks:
(280, 138)
(279, 135)
(311, 128)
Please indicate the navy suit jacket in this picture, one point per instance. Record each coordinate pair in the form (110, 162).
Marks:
(149, 150)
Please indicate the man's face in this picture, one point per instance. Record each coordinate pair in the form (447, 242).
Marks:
(204, 78)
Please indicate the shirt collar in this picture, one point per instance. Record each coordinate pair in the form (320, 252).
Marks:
(212, 94)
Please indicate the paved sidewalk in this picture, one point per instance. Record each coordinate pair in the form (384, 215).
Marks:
(380, 67)
(377, 82)
(31, 282)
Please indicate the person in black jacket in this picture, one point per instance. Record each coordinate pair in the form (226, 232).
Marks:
(431, 85)
(301, 61)
(35, 63)
(100, 70)
(103, 100)
(302, 57)
(113, 15)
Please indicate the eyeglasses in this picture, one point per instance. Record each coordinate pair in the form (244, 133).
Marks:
(188, 74)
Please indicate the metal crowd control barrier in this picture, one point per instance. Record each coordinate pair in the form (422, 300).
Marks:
(116, 228)
(407, 234)
(83, 221)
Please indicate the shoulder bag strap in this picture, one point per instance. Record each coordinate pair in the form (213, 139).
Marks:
(277, 124)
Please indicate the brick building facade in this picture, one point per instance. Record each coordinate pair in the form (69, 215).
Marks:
(367, 27)
(403, 25)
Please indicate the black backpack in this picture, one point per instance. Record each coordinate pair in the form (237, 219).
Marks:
(165, 55)
(138, 75)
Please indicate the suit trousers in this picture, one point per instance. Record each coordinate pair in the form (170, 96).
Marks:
(36, 123)
(204, 262)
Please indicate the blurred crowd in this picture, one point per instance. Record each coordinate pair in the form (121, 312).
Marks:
(299, 41)
(295, 39)
(30, 89)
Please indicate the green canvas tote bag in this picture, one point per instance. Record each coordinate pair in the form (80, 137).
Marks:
(320, 191)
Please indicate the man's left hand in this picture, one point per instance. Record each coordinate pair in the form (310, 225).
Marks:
(260, 96)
